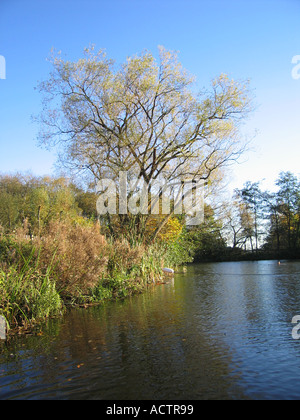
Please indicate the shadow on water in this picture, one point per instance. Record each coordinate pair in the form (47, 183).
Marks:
(219, 331)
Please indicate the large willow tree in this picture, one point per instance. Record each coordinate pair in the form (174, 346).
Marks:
(144, 117)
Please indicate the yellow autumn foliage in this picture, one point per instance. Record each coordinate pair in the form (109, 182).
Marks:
(169, 233)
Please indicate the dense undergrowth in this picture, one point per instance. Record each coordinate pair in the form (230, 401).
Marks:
(73, 264)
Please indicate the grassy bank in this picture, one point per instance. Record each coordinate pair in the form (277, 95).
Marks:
(72, 264)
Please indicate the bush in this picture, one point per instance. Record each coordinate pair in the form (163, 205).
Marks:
(178, 253)
(123, 257)
(77, 254)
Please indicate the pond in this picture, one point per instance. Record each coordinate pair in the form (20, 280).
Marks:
(218, 331)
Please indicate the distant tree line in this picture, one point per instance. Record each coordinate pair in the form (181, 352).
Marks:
(255, 224)
(263, 221)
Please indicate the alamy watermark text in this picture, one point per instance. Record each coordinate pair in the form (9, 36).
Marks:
(2, 67)
(128, 195)
(296, 68)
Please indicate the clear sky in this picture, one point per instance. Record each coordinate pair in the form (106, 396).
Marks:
(247, 39)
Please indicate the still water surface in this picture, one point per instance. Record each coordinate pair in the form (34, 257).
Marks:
(219, 331)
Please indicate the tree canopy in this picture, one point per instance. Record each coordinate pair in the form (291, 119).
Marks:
(144, 117)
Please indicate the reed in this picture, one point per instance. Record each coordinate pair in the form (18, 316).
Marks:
(27, 295)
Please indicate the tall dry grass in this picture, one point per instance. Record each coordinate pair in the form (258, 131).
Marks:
(77, 254)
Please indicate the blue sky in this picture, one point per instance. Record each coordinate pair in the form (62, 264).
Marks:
(253, 40)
